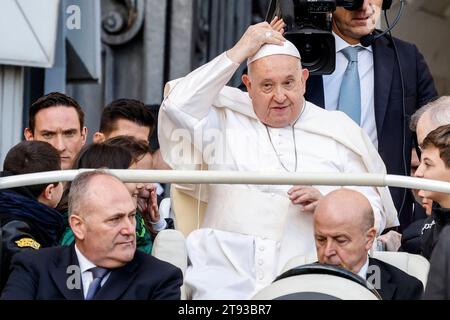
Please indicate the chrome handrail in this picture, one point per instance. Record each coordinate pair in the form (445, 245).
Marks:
(236, 177)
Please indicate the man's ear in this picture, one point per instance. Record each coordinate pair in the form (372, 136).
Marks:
(98, 137)
(84, 133)
(248, 83)
(28, 134)
(305, 74)
(47, 195)
(77, 225)
(371, 235)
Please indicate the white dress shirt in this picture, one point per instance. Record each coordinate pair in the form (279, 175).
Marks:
(86, 275)
(363, 271)
(332, 86)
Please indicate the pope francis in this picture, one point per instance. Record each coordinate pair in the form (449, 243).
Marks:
(251, 231)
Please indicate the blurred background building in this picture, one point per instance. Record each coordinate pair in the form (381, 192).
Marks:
(101, 50)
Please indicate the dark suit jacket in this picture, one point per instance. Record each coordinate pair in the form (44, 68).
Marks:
(42, 275)
(438, 285)
(419, 90)
(396, 284)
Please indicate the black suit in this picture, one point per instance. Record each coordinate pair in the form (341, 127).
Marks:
(42, 275)
(419, 90)
(396, 284)
(438, 286)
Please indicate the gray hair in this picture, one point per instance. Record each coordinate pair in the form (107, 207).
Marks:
(439, 111)
(79, 189)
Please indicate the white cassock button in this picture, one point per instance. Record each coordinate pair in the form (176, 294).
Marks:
(261, 276)
(261, 248)
(260, 262)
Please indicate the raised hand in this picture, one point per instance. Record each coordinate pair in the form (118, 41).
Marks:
(255, 37)
(278, 24)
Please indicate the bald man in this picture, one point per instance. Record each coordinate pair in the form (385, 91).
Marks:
(103, 264)
(344, 234)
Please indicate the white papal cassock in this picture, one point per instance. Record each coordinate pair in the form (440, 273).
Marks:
(251, 231)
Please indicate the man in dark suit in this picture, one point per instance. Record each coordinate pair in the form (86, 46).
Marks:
(103, 263)
(382, 114)
(344, 233)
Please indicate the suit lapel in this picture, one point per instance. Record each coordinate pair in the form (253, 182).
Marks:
(60, 273)
(383, 59)
(314, 91)
(119, 281)
(387, 287)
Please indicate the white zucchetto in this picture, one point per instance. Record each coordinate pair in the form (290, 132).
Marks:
(287, 48)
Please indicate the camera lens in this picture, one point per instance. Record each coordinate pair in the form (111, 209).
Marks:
(317, 50)
(311, 51)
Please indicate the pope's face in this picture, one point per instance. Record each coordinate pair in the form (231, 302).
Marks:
(276, 85)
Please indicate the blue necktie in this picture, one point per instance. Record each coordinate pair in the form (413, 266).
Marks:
(350, 93)
(98, 274)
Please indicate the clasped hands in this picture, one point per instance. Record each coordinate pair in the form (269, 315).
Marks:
(148, 205)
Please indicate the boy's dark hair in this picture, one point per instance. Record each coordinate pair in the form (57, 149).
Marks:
(100, 155)
(52, 100)
(137, 147)
(439, 138)
(128, 109)
(31, 157)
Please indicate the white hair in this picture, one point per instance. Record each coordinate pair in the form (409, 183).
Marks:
(438, 110)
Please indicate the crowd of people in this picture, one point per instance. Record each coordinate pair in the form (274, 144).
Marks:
(286, 121)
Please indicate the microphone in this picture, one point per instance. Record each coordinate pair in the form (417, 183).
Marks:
(367, 40)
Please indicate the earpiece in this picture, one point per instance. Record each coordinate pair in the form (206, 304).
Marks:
(386, 4)
(367, 40)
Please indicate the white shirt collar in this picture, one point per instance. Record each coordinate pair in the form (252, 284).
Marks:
(84, 262)
(363, 271)
(342, 44)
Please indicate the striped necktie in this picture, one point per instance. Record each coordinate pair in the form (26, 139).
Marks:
(98, 274)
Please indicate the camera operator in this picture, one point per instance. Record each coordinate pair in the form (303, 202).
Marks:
(393, 80)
